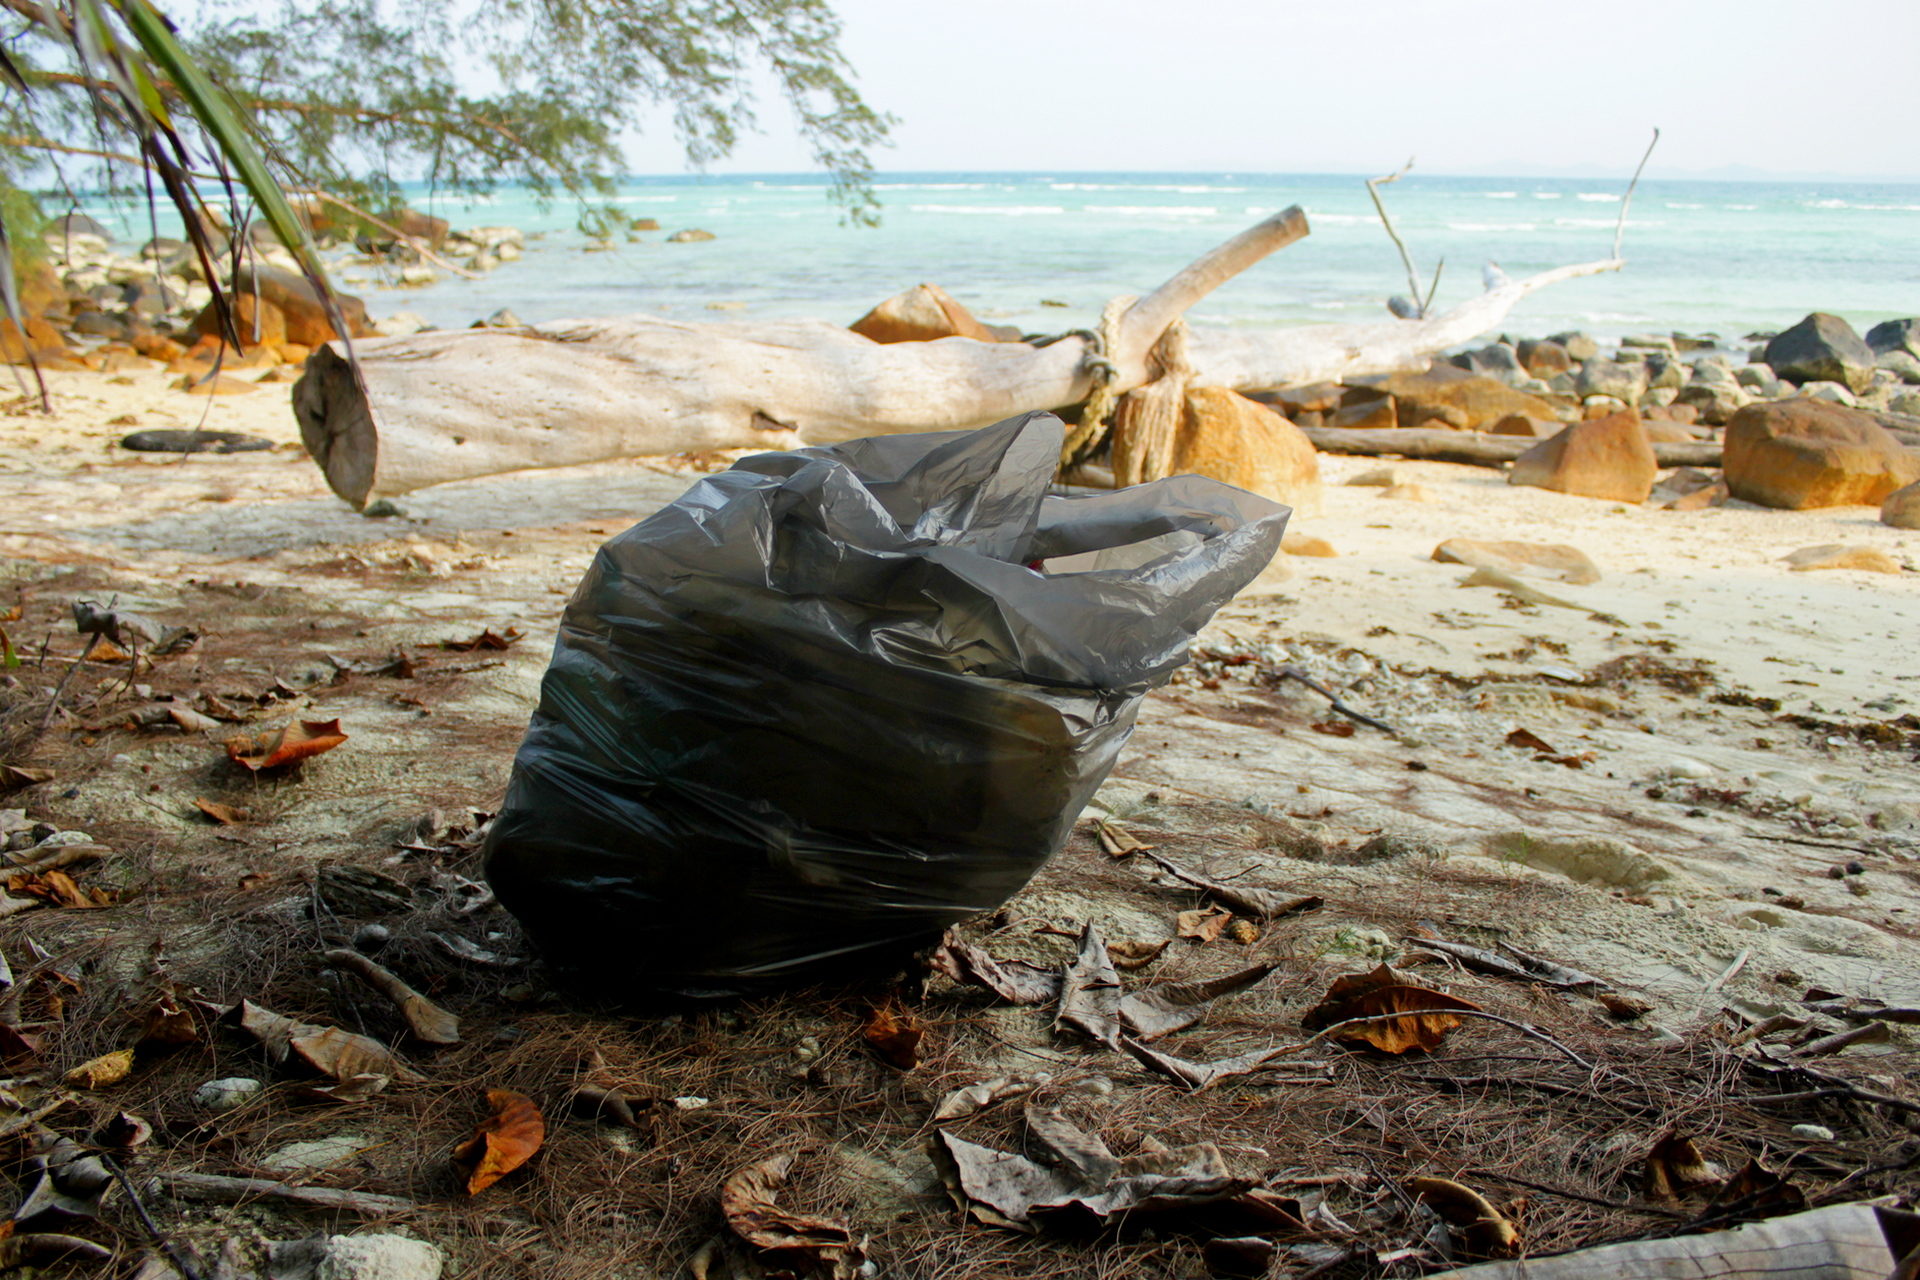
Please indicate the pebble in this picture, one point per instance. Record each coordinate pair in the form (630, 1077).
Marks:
(1816, 1132)
(371, 937)
(227, 1093)
(312, 1157)
(374, 1256)
(1856, 868)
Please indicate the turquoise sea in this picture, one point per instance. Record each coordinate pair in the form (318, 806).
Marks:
(1718, 257)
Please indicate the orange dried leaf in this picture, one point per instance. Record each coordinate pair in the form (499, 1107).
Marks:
(1115, 840)
(17, 1047)
(105, 650)
(58, 888)
(1384, 992)
(894, 1035)
(488, 639)
(98, 1073)
(1204, 925)
(747, 1202)
(1333, 728)
(1482, 1230)
(297, 741)
(505, 1140)
(224, 814)
(1527, 740)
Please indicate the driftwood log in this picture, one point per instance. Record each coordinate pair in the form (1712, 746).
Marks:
(404, 413)
(1476, 448)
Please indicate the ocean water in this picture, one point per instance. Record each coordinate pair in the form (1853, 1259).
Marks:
(1726, 258)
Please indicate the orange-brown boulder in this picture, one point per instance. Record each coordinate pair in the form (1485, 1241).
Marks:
(1801, 453)
(1608, 458)
(256, 321)
(39, 338)
(1902, 508)
(1469, 401)
(1211, 431)
(1519, 424)
(921, 314)
(157, 346)
(302, 319)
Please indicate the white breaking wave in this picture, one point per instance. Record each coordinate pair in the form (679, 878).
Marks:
(1599, 197)
(1676, 204)
(1139, 186)
(1345, 219)
(1848, 204)
(1501, 195)
(1493, 226)
(1546, 195)
(1156, 210)
(1001, 210)
(930, 186)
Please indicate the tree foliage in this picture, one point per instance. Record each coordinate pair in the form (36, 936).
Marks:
(355, 96)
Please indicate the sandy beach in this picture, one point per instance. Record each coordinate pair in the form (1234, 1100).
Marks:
(1702, 814)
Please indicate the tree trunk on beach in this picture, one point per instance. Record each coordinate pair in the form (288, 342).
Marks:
(405, 413)
(1476, 448)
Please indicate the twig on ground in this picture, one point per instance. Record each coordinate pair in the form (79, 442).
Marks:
(182, 1257)
(213, 1186)
(1291, 672)
(1727, 974)
(1565, 1194)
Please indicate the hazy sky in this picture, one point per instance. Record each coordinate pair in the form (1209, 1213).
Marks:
(1468, 86)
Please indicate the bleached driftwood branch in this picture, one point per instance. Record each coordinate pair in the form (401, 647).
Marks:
(438, 407)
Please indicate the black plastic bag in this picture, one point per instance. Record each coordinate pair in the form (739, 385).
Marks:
(831, 701)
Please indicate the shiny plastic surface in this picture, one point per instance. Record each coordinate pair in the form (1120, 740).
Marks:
(821, 707)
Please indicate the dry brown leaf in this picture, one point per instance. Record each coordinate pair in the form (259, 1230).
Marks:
(345, 1055)
(105, 650)
(1756, 1192)
(1203, 925)
(1202, 1075)
(1482, 1230)
(172, 1025)
(487, 639)
(1333, 728)
(1115, 840)
(98, 1073)
(224, 814)
(1090, 991)
(1174, 1006)
(57, 887)
(1244, 932)
(1369, 995)
(17, 1047)
(1527, 740)
(13, 777)
(190, 720)
(1624, 1007)
(1248, 900)
(46, 1249)
(1135, 953)
(427, 1020)
(1675, 1168)
(296, 741)
(894, 1035)
(974, 1098)
(510, 1135)
(1014, 981)
(747, 1203)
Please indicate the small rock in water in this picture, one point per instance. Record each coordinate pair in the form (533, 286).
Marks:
(375, 1256)
(1813, 1132)
(226, 1094)
(692, 235)
(382, 509)
(504, 319)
